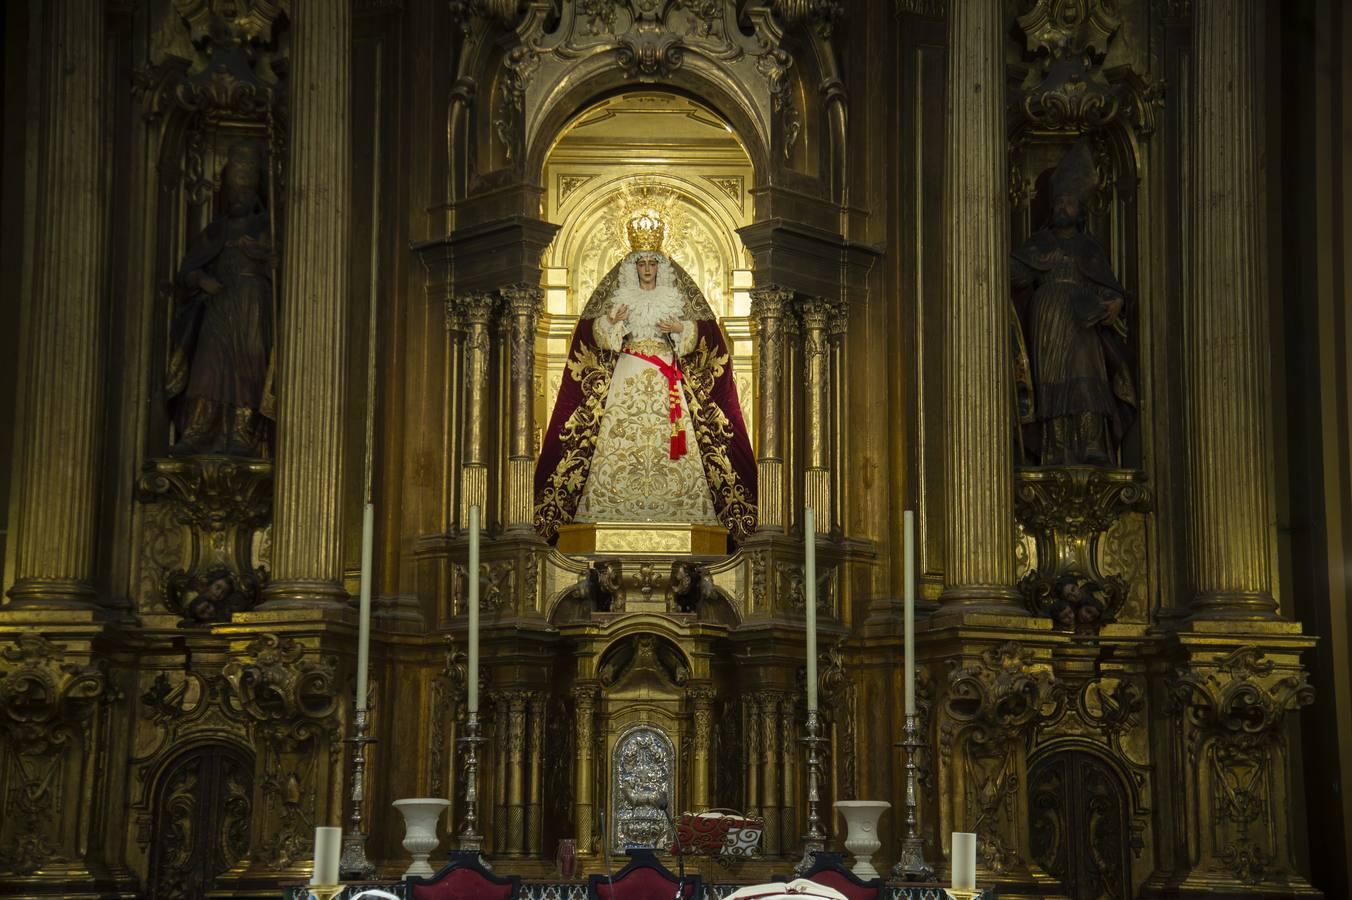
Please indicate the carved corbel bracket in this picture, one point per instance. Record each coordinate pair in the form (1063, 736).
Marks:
(989, 710)
(1231, 708)
(47, 700)
(220, 502)
(1067, 510)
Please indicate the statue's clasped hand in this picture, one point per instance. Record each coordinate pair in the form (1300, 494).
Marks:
(670, 326)
(619, 314)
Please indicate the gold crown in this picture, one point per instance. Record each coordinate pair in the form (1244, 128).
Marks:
(646, 231)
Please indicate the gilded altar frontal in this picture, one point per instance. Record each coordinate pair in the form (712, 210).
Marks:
(600, 424)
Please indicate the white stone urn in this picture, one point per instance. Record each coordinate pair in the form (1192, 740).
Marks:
(420, 830)
(861, 834)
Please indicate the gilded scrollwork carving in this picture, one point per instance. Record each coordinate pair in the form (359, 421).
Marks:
(219, 502)
(1065, 87)
(1067, 510)
(838, 694)
(1232, 711)
(988, 711)
(290, 697)
(48, 700)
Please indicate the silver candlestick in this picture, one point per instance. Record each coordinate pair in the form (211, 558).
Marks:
(814, 841)
(470, 838)
(911, 866)
(353, 863)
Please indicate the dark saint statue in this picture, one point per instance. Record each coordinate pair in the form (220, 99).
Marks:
(221, 336)
(1084, 398)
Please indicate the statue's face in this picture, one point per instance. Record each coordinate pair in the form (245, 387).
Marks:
(647, 272)
(241, 184)
(1066, 212)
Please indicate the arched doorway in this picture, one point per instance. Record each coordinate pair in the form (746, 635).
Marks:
(1079, 825)
(202, 810)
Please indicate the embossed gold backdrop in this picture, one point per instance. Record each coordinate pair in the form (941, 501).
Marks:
(177, 646)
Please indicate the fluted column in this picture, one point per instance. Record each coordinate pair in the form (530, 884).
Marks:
(476, 311)
(791, 827)
(702, 698)
(769, 306)
(522, 304)
(516, 773)
(58, 468)
(770, 809)
(978, 421)
(815, 314)
(454, 372)
(535, 801)
(311, 375)
(1226, 405)
(584, 705)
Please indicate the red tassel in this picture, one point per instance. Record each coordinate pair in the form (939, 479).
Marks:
(678, 444)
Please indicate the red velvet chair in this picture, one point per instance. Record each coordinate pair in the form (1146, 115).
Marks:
(644, 878)
(464, 878)
(829, 869)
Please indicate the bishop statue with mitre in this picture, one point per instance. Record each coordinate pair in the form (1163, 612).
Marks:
(647, 426)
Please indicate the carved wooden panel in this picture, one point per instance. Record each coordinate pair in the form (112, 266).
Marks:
(1079, 825)
(202, 811)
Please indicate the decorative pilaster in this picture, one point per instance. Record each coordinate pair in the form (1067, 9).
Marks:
(769, 306)
(455, 405)
(584, 705)
(751, 729)
(476, 311)
(978, 420)
(815, 314)
(790, 824)
(770, 808)
(1230, 467)
(702, 698)
(836, 326)
(57, 472)
(52, 741)
(522, 304)
(535, 802)
(311, 377)
(516, 773)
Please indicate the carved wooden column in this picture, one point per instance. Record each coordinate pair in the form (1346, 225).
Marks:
(770, 807)
(502, 737)
(516, 772)
(1226, 401)
(522, 304)
(476, 311)
(791, 826)
(752, 743)
(769, 306)
(535, 802)
(836, 327)
(311, 371)
(584, 704)
(455, 399)
(58, 460)
(702, 699)
(815, 314)
(978, 420)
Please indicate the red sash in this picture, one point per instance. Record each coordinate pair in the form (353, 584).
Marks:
(673, 376)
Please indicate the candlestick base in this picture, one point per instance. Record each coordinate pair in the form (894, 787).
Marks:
(814, 841)
(911, 865)
(470, 839)
(956, 894)
(354, 863)
(325, 891)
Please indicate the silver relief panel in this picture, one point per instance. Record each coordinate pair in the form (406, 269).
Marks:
(643, 781)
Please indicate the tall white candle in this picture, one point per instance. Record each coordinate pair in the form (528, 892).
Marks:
(328, 847)
(964, 861)
(810, 602)
(368, 527)
(909, 609)
(473, 601)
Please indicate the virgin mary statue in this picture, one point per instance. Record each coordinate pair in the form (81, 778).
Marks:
(647, 426)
